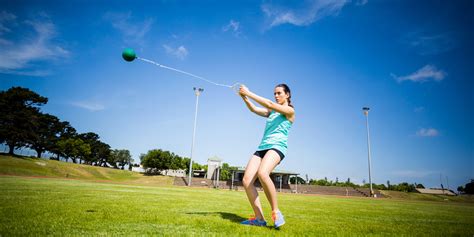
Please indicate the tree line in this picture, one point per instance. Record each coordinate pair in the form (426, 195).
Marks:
(22, 124)
(402, 187)
(157, 160)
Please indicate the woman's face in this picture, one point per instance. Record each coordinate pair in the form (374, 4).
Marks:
(280, 95)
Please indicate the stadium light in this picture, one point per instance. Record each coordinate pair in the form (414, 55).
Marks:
(366, 113)
(198, 92)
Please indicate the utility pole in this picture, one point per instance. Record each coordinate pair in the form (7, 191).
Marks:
(366, 113)
(198, 92)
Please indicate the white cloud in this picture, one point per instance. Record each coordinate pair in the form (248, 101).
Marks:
(427, 132)
(413, 173)
(91, 106)
(234, 27)
(181, 52)
(132, 31)
(426, 73)
(21, 56)
(305, 14)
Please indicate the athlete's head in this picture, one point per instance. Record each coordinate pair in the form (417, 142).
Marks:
(282, 94)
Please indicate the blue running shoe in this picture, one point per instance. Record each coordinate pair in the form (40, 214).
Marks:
(278, 219)
(254, 221)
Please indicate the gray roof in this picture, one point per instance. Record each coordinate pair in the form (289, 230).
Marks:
(215, 158)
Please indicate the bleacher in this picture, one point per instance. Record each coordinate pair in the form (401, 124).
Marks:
(287, 188)
(195, 182)
(366, 192)
(328, 190)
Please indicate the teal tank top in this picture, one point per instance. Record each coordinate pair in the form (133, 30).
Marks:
(276, 133)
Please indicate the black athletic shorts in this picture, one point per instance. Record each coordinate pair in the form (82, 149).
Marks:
(262, 153)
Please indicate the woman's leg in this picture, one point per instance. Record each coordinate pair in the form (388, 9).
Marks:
(248, 181)
(269, 162)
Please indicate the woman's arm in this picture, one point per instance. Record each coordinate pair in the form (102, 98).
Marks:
(288, 111)
(264, 112)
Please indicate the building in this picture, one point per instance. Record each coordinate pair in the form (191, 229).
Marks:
(213, 167)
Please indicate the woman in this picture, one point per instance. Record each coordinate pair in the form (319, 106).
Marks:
(270, 152)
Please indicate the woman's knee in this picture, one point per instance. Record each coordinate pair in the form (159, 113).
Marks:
(246, 182)
(263, 175)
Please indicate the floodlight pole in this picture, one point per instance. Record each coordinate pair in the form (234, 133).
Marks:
(232, 183)
(447, 183)
(218, 169)
(366, 113)
(296, 184)
(198, 92)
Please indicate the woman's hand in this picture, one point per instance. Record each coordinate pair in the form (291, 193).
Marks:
(244, 91)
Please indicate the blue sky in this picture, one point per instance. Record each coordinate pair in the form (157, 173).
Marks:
(409, 61)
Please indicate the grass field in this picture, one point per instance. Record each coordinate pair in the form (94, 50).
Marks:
(25, 166)
(58, 206)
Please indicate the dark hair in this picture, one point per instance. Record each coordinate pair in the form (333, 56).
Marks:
(286, 89)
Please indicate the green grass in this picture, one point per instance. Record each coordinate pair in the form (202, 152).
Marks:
(45, 206)
(24, 166)
(427, 197)
(133, 204)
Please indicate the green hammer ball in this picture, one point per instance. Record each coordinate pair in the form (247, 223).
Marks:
(128, 54)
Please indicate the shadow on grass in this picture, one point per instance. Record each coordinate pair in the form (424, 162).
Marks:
(225, 215)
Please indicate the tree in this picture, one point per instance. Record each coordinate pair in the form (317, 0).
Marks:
(404, 187)
(74, 148)
(46, 129)
(159, 160)
(185, 164)
(379, 186)
(321, 182)
(167, 160)
(66, 131)
(226, 172)
(197, 166)
(154, 159)
(17, 106)
(93, 140)
(176, 162)
(122, 157)
(114, 158)
(100, 152)
(469, 187)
